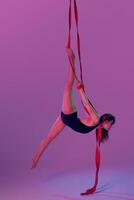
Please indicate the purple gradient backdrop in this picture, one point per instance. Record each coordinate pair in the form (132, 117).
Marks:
(33, 71)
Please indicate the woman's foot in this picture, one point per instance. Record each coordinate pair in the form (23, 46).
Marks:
(35, 160)
(70, 53)
(71, 58)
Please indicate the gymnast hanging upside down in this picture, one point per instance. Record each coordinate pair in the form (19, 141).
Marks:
(68, 115)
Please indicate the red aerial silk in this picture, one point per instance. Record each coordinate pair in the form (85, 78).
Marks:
(97, 159)
(78, 37)
(98, 135)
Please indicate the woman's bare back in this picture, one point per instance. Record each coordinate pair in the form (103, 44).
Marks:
(88, 121)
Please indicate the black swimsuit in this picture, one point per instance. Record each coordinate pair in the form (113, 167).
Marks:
(74, 122)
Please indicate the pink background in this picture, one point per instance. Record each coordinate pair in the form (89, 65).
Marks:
(33, 71)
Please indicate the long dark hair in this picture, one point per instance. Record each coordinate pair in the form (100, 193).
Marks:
(104, 132)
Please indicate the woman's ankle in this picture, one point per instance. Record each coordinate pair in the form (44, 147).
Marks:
(70, 53)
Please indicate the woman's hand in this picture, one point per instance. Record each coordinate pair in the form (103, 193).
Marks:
(79, 85)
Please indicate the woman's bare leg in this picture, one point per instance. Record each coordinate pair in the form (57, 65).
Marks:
(57, 127)
(68, 105)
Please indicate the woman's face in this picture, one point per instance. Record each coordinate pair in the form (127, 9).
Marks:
(107, 124)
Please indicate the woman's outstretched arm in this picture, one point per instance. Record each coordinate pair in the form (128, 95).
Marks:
(87, 104)
(57, 127)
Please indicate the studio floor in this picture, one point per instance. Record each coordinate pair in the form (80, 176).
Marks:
(45, 183)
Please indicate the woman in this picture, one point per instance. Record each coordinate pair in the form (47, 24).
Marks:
(68, 115)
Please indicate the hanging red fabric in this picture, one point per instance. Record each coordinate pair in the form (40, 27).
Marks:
(98, 135)
(70, 23)
(78, 38)
(97, 159)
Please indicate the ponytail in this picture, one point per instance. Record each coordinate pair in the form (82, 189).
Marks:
(104, 135)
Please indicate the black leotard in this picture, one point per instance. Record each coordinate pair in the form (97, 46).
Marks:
(74, 122)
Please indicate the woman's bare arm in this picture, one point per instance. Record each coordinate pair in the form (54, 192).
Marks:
(87, 104)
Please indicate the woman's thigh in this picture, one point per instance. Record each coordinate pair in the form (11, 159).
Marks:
(68, 105)
(56, 128)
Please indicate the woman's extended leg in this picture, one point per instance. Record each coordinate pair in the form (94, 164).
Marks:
(57, 127)
(68, 105)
